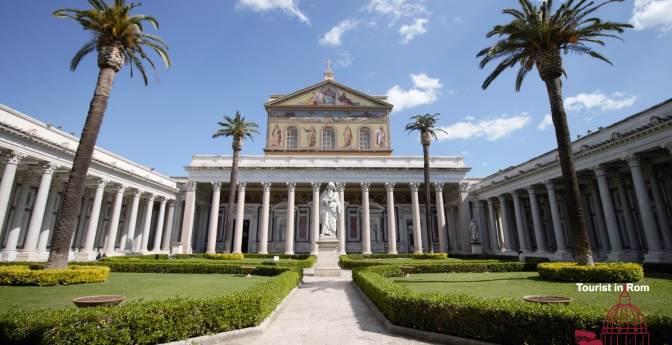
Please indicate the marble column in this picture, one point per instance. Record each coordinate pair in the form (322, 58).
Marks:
(9, 253)
(415, 209)
(315, 218)
(289, 231)
(158, 233)
(240, 218)
(147, 225)
(341, 219)
(497, 241)
(630, 230)
(12, 160)
(127, 239)
(37, 214)
(661, 213)
(168, 235)
(539, 235)
(48, 222)
(520, 224)
(188, 217)
(265, 209)
(366, 219)
(613, 231)
(87, 252)
(441, 218)
(114, 222)
(560, 243)
(391, 219)
(506, 223)
(214, 218)
(648, 220)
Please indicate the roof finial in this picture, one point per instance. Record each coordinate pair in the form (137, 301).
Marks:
(328, 74)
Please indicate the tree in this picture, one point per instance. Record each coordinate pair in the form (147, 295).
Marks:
(538, 37)
(119, 39)
(240, 130)
(426, 126)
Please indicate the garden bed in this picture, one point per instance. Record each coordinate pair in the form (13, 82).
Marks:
(37, 275)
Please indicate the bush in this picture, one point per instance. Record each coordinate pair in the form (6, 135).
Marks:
(225, 256)
(501, 320)
(308, 262)
(357, 261)
(658, 267)
(148, 322)
(36, 275)
(612, 272)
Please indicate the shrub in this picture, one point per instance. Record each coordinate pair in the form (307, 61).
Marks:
(612, 272)
(501, 320)
(356, 261)
(148, 322)
(35, 275)
(308, 262)
(225, 256)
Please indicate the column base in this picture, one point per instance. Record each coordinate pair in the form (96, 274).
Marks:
(561, 255)
(8, 255)
(657, 257)
(32, 255)
(616, 256)
(109, 253)
(289, 252)
(86, 255)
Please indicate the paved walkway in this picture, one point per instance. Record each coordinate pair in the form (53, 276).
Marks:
(325, 310)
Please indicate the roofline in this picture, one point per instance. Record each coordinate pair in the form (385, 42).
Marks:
(382, 102)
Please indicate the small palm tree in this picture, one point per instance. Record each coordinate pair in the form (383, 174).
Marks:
(537, 37)
(240, 130)
(426, 125)
(118, 39)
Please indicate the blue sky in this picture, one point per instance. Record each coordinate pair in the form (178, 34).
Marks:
(231, 55)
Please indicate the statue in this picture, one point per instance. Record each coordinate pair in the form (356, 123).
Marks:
(330, 207)
(473, 230)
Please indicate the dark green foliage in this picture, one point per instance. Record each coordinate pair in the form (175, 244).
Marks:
(308, 262)
(149, 322)
(500, 320)
(357, 261)
(612, 272)
(658, 267)
(37, 275)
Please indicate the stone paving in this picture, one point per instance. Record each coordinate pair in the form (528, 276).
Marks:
(324, 311)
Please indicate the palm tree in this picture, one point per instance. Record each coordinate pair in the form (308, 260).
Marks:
(536, 37)
(426, 125)
(240, 130)
(119, 39)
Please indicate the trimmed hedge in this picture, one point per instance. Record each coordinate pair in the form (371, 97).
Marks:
(149, 322)
(501, 320)
(397, 256)
(347, 261)
(36, 275)
(225, 256)
(190, 267)
(611, 272)
(308, 262)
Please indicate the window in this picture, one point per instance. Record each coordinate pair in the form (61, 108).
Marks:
(292, 138)
(328, 139)
(364, 139)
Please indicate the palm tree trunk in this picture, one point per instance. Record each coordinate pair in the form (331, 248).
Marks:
(428, 198)
(578, 231)
(233, 181)
(60, 243)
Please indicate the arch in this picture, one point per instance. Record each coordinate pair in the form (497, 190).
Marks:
(364, 138)
(292, 138)
(328, 139)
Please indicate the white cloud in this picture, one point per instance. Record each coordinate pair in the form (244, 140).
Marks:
(492, 129)
(344, 58)
(409, 31)
(290, 7)
(650, 14)
(425, 90)
(545, 123)
(597, 99)
(396, 8)
(333, 36)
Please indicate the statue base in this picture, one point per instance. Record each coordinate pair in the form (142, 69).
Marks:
(327, 259)
(476, 248)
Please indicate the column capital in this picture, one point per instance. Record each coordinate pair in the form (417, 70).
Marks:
(48, 167)
(549, 184)
(190, 186)
(12, 157)
(531, 190)
(414, 186)
(599, 170)
(100, 183)
(216, 186)
(162, 199)
(515, 193)
(242, 186)
(438, 187)
(667, 146)
(135, 192)
(389, 187)
(316, 186)
(291, 186)
(464, 187)
(365, 186)
(632, 160)
(119, 188)
(266, 186)
(490, 201)
(340, 186)
(148, 196)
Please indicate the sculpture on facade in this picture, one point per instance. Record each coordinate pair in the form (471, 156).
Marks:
(347, 136)
(473, 230)
(330, 207)
(312, 136)
(380, 137)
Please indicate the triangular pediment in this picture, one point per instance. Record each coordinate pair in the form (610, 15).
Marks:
(328, 93)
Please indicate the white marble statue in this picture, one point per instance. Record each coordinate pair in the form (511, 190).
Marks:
(330, 207)
(473, 229)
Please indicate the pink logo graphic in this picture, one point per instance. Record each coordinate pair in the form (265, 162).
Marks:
(623, 325)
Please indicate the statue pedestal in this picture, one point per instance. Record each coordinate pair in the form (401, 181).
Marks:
(476, 248)
(327, 258)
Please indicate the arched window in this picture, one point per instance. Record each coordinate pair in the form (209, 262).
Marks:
(328, 139)
(364, 139)
(292, 138)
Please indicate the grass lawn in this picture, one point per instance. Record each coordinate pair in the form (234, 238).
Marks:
(134, 286)
(518, 284)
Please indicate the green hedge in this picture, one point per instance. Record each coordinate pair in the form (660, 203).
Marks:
(148, 322)
(36, 275)
(397, 256)
(346, 261)
(502, 321)
(308, 262)
(225, 256)
(178, 266)
(612, 272)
